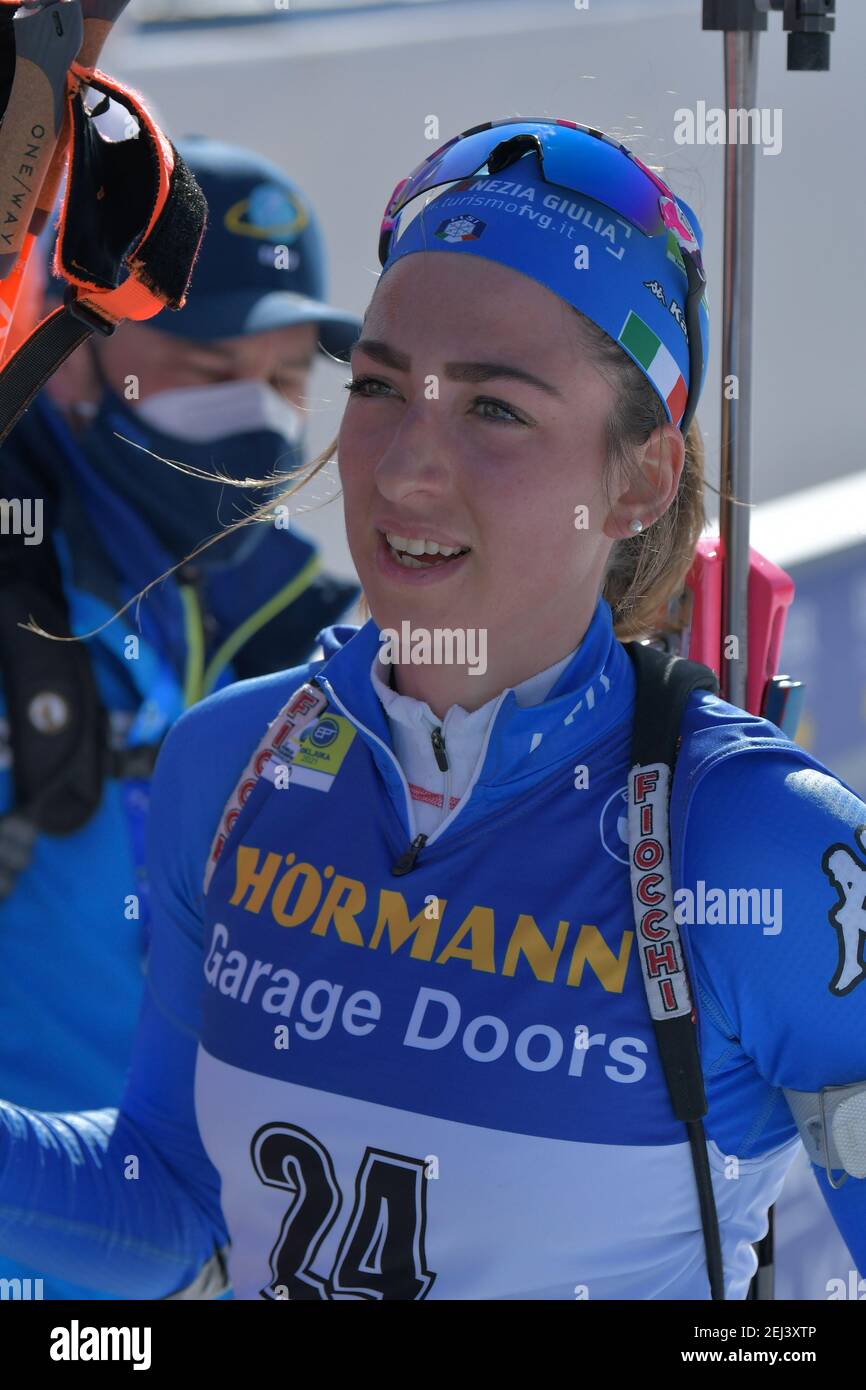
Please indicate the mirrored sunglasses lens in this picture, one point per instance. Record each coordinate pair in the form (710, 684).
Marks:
(459, 160)
(571, 158)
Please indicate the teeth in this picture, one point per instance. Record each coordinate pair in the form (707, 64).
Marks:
(420, 547)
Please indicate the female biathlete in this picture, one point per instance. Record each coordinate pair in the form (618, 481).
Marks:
(396, 1042)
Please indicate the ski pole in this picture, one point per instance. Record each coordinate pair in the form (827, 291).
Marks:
(747, 578)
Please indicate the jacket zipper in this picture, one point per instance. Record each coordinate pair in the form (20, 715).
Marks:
(408, 858)
(439, 749)
(437, 738)
(406, 862)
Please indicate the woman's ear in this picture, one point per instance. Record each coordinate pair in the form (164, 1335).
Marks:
(652, 486)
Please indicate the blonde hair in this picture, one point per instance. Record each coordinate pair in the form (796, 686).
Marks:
(645, 572)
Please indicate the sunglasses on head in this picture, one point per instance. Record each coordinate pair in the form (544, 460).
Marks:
(586, 161)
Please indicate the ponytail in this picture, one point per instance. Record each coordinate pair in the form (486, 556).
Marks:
(645, 571)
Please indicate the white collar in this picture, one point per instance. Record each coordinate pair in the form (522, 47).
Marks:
(404, 709)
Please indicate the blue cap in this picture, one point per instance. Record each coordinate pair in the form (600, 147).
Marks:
(262, 260)
(631, 285)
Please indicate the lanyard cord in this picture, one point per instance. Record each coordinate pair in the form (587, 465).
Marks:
(199, 680)
(193, 675)
(280, 600)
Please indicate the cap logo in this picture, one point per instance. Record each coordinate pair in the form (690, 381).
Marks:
(465, 228)
(270, 213)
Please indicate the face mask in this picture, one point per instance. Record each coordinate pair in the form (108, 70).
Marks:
(202, 414)
(243, 429)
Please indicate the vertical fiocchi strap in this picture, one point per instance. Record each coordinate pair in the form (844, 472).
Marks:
(664, 683)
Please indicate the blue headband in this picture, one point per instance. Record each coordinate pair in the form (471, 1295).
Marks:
(631, 285)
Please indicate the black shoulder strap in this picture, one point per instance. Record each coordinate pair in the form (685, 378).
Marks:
(57, 725)
(664, 683)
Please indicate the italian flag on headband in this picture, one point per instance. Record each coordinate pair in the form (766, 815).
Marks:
(657, 362)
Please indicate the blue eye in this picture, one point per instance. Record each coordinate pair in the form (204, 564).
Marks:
(508, 417)
(357, 386)
(362, 386)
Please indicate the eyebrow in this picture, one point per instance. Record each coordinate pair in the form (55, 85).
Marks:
(454, 371)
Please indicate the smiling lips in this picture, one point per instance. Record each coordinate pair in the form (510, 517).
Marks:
(419, 552)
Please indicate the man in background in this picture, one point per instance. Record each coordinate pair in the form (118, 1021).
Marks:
(219, 386)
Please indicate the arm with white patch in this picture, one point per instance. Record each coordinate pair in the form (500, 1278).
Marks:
(789, 989)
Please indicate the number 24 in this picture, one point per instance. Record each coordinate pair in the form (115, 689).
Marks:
(381, 1254)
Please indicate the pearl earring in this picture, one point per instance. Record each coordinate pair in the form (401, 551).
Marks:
(637, 525)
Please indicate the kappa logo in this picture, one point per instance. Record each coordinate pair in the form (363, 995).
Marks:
(847, 916)
(463, 228)
(655, 288)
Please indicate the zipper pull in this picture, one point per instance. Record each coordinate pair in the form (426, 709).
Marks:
(439, 749)
(406, 862)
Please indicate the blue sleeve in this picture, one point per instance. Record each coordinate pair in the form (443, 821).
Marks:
(786, 995)
(127, 1200)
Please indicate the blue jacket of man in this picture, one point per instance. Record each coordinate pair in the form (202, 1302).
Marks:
(74, 929)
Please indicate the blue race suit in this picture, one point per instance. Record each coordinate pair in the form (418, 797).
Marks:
(72, 945)
(445, 1084)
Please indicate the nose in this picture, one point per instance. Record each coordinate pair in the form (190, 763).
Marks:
(416, 460)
